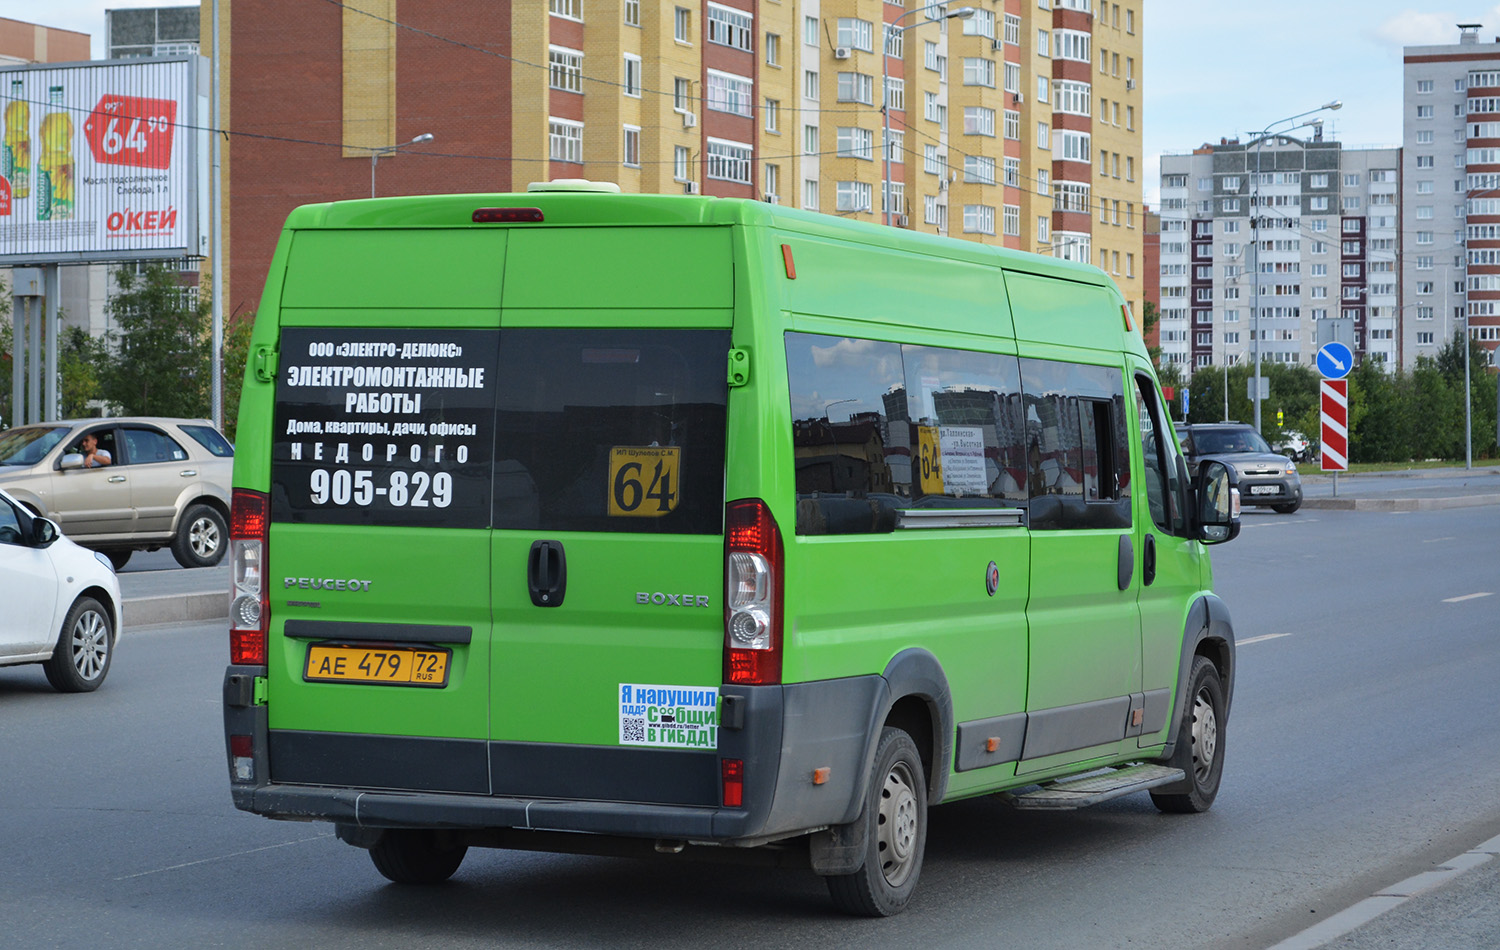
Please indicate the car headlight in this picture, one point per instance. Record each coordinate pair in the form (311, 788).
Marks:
(1291, 468)
(102, 559)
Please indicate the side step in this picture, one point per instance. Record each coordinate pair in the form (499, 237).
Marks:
(1091, 788)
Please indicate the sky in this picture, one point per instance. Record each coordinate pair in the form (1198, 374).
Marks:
(1211, 69)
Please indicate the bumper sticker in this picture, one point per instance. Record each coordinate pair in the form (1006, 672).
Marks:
(673, 717)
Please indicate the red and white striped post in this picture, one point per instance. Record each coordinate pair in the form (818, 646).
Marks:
(1335, 451)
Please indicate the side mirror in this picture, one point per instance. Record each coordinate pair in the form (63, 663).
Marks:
(44, 532)
(1216, 500)
(71, 460)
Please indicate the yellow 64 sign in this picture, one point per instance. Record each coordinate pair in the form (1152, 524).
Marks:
(643, 480)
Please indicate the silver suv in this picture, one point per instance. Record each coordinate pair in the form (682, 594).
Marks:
(126, 484)
(1266, 478)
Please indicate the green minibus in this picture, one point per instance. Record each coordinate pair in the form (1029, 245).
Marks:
(580, 521)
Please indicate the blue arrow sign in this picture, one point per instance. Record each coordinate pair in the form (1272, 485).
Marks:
(1335, 360)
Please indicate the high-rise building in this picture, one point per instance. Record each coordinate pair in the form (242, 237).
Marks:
(1019, 124)
(1451, 195)
(1267, 238)
(136, 32)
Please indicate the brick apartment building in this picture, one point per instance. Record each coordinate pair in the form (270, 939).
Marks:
(1018, 126)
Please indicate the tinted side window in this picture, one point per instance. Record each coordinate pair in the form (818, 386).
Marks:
(1078, 461)
(880, 426)
(209, 438)
(149, 445)
(611, 430)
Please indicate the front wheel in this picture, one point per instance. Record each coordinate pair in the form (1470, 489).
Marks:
(414, 856)
(1200, 744)
(895, 817)
(85, 645)
(201, 537)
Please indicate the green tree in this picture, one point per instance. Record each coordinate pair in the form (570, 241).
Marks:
(1482, 389)
(1379, 420)
(236, 352)
(162, 347)
(82, 358)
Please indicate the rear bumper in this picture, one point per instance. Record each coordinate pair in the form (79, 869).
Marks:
(780, 733)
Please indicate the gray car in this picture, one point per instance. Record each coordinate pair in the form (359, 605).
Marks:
(1266, 478)
(126, 484)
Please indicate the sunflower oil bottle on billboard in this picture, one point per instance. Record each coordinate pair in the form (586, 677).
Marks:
(17, 143)
(55, 184)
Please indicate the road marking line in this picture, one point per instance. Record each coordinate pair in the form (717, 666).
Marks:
(1436, 540)
(1261, 639)
(225, 857)
(1455, 600)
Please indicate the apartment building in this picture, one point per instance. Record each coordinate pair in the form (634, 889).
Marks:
(1451, 195)
(1263, 239)
(1016, 125)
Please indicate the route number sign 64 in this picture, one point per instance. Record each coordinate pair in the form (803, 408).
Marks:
(644, 480)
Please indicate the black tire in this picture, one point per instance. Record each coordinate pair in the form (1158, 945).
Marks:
(119, 557)
(413, 856)
(202, 537)
(1289, 508)
(1200, 744)
(85, 646)
(895, 817)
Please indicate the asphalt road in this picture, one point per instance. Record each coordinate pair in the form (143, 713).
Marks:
(1360, 752)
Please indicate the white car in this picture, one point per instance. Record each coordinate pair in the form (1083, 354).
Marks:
(59, 603)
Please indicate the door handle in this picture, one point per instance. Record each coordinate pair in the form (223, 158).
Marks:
(1125, 566)
(117, 478)
(188, 473)
(1148, 560)
(547, 573)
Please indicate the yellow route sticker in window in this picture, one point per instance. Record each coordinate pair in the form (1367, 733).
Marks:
(644, 480)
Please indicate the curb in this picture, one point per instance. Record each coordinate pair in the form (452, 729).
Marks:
(174, 608)
(1401, 504)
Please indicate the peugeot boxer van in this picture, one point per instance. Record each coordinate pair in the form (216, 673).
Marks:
(581, 521)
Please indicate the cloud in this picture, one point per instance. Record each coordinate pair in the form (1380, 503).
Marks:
(1418, 28)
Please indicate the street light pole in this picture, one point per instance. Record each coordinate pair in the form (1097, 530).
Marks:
(1255, 240)
(378, 151)
(891, 30)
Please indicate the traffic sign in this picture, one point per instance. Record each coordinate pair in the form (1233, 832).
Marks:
(132, 130)
(1335, 397)
(1335, 360)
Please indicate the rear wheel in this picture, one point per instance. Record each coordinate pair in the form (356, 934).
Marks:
(1200, 744)
(413, 856)
(895, 817)
(119, 557)
(85, 645)
(201, 537)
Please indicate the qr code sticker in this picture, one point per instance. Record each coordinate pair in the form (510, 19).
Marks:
(634, 730)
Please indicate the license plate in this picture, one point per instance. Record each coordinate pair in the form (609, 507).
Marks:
(382, 665)
(1265, 489)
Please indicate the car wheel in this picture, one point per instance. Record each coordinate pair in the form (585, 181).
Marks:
(1200, 744)
(84, 648)
(119, 557)
(1288, 508)
(201, 538)
(413, 856)
(895, 817)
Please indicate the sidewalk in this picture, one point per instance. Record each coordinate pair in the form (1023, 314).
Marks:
(1411, 490)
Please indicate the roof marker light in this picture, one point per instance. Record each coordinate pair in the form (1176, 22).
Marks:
(786, 258)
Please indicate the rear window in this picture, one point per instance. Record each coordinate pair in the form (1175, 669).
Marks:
(611, 430)
(209, 438)
(536, 429)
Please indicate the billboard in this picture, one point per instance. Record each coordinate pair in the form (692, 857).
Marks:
(101, 161)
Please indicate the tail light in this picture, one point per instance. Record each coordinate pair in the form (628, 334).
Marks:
(753, 574)
(734, 782)
(249, 600)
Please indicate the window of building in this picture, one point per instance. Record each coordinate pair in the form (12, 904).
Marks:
(726, 92)
(856, 33)
(682, 94)
(682, 25)
(981, 121)
(633, 146)
(564, 140)
(810, 84)
(773, 183)
(1043, 135)
(810, 194)
(632, 75)
(730, 27)
(632, 12)
(773, 49)
(980, 219)
(565, 69)
(1072, 146)
(895, 94)
(856, 87)
(979, 71)
(932, 160)
(1071, 44)
(853, 196)
(681, 157)
(773, 114)
(982, 23)
(979, 170)
(1074, 98)
(854, 142)
(1424, 85)
(572, 9)
(896, 147)
(728, 161)
(1013, 172)
(810, 139)
(1012, 29)
(1424, 112)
